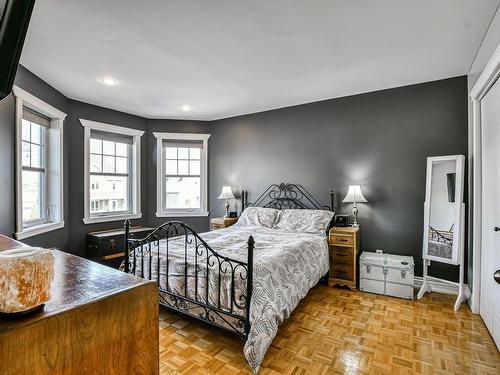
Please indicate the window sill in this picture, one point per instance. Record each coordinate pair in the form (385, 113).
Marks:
(38, 229)
(103, 219)
(182, 214)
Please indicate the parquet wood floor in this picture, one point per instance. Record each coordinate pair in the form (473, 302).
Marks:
(336, 331)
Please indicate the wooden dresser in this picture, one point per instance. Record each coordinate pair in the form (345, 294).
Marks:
(344, 252)
(98, 321)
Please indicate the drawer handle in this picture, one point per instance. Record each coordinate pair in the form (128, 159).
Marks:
(341, 254)
(341, 240)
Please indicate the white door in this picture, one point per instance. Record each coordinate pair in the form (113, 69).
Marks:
(490, 254)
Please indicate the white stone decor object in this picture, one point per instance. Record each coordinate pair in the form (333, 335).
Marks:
(26, 275)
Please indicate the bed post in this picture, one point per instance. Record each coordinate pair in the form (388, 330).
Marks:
(251, 243)
(332, 194)
(125, 244)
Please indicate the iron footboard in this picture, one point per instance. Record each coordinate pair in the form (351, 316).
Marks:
(192, 278)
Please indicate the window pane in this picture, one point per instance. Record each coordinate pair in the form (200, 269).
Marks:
(95, 146)
(105, 198)
(183, 192)
(26, 131)
(183, 153)
(108, 148)
(122, 149)
(194, 167)
(108, 164)
(171, 167)
(36, 156)
(95, 163)
(26, 154)
(171, 152)
(183, 167)
(36, 133)
(194, 153)
(121, 165)
(32, 191)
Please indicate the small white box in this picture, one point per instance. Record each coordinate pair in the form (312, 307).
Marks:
(387, 274)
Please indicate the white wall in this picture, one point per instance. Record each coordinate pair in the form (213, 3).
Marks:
(489, 44)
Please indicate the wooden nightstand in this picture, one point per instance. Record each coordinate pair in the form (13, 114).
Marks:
(344, 251)
(222, 222)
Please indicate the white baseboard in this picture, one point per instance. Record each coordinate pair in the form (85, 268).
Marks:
(440, 287)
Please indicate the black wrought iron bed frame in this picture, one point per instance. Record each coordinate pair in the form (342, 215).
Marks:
(234, 318)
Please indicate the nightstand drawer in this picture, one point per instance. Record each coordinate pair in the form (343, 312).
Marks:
(214, 226)
(342, 271)
(341, 239)
(343, 255)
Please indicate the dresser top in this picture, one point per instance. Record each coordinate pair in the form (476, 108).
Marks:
(344, 230)
(222, 220)
(77, 282)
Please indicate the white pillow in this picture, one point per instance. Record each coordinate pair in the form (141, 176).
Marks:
(306, 221)
(258, 217)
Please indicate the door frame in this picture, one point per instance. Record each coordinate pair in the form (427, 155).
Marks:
(488, 77)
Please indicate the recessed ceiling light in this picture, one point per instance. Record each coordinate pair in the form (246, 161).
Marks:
(108, 81)
(186, 108)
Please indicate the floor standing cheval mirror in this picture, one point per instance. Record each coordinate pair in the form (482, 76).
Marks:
(444, 220)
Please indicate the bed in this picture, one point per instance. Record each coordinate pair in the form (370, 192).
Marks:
(247, 278)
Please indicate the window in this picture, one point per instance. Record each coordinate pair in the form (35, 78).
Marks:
(33, 168)
(110, 167)
(182, 174)
(39, 181)
(112, 172)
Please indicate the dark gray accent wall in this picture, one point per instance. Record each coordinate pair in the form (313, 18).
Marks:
(379, 140)
(75, 145)
(35, 86)
(171, 126)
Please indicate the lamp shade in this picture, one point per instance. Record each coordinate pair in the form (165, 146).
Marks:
(354, 195)
(226, 193)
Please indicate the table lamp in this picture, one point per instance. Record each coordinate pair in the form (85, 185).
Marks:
(227, 194)
(354, 195)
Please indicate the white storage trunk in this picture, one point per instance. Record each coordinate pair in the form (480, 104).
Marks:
(387, 274)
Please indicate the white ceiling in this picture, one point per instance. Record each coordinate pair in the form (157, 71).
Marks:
(225, 58)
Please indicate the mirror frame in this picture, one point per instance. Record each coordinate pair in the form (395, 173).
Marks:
(459, 209)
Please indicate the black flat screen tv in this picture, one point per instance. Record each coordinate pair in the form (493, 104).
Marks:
(14, 19)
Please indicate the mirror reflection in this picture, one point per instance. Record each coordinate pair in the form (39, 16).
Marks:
(442, 209)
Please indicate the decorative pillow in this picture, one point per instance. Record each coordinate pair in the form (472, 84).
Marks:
(258, 217)
(308, 221)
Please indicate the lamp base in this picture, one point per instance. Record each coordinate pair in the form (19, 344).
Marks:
(355, 216)
(227, 209)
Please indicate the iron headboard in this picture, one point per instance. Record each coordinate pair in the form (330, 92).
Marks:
(286, 195)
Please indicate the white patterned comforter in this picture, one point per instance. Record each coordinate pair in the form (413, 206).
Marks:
(286, 266)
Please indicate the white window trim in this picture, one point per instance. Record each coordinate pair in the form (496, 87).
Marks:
(136, 171)
(24, 98)
(160, 211)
